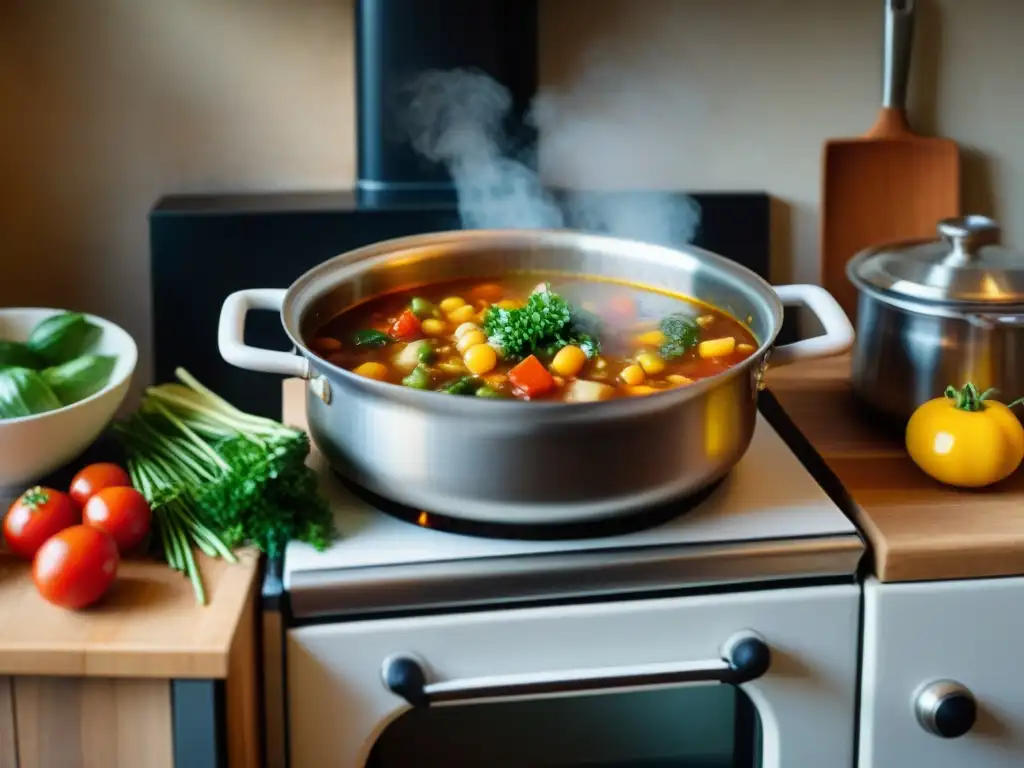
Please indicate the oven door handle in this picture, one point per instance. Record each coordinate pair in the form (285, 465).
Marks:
(745, 657)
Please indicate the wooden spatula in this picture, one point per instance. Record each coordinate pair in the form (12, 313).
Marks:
(891, 184)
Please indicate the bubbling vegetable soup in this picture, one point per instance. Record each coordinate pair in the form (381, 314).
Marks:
(572, 339)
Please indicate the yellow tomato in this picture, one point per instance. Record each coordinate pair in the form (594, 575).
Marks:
(965, 439)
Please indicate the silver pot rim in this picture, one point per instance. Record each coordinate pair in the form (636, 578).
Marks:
(361, 259)
(966, 268)
(932, 308)
(291, 304)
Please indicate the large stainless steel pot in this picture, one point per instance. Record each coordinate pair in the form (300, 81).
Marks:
(935, 313)
(515, 462)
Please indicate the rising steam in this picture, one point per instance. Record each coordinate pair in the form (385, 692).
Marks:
(459, 118)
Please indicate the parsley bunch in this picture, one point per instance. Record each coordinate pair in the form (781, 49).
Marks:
(218, 478)
(545, 324)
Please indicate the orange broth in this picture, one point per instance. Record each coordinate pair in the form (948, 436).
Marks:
(466, 337)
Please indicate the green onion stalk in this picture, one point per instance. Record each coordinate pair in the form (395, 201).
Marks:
(218, 478)
(179, 524)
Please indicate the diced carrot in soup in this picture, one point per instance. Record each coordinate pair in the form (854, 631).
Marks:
(406, 327)
(531, 377)
(534, 336)
(489, 292)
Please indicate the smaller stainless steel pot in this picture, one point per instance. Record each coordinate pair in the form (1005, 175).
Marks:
(935, 313)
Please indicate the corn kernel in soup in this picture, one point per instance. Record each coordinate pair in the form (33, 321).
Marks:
(534, 337)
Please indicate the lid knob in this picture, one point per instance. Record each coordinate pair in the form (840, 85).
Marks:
(966, 235)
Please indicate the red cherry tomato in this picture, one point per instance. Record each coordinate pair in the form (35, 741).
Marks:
(96, 477)
(76, 567)
(36, 516)
(123, 513)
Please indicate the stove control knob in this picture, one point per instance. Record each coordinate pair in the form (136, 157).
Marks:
(945, 708)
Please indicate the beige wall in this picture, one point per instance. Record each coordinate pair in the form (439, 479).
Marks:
(108, 104)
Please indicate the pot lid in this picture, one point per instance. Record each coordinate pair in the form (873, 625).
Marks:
(967, 265)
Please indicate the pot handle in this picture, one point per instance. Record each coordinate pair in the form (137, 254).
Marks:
(231, 335)
(838, 336)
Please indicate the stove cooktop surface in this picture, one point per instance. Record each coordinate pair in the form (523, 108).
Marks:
(768, 514)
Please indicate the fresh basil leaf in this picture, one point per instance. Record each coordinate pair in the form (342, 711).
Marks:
(63, 337)
(16, 354)
(79, 378)
(23, 392)
(371, 338)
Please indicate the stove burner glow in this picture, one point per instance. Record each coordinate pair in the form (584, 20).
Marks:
(598, 529)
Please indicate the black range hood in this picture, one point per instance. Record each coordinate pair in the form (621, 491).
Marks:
(397, 40)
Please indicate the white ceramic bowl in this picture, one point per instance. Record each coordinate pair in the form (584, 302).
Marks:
(33, 446)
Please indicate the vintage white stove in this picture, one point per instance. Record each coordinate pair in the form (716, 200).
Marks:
(727, 636)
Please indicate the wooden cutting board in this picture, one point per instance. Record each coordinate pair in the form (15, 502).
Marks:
(148, 626)
(918, 528)
(891, 184)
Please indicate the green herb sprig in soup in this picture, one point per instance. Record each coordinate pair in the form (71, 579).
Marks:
(576, 340)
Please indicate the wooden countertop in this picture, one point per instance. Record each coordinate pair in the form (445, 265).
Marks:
(919, 529)
(148, 625)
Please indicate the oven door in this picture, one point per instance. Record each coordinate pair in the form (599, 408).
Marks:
(760, 678)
